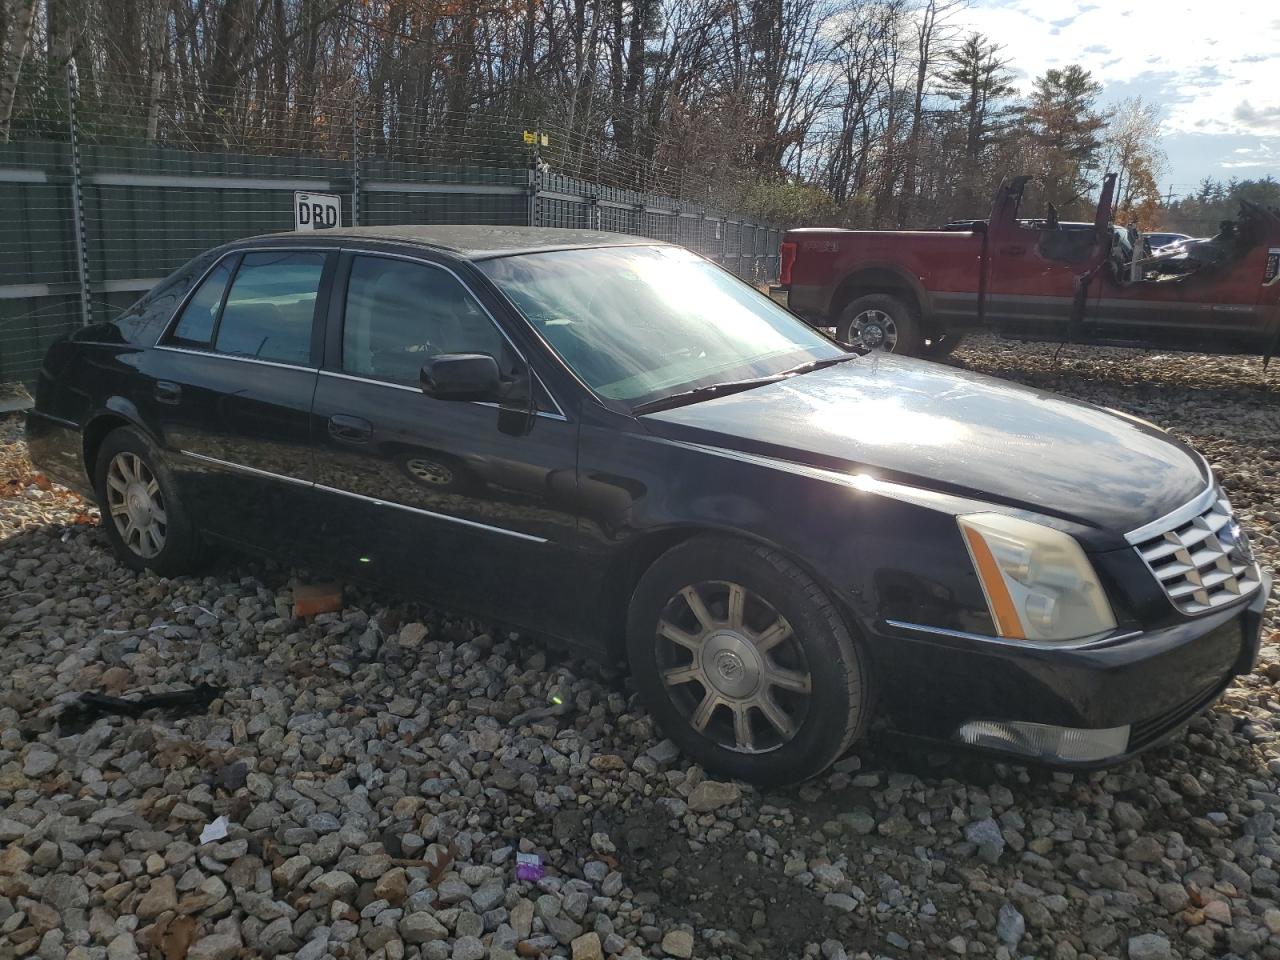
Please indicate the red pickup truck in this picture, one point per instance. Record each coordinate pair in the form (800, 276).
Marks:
(918, 291)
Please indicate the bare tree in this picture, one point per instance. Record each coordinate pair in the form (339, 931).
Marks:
(17, 25)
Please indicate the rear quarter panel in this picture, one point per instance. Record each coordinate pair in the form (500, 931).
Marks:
(944, 267)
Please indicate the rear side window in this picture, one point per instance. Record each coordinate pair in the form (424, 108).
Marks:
(269, 310)
(195, 326)
(145, 320)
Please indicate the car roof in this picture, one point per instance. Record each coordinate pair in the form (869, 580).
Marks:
(476, 242)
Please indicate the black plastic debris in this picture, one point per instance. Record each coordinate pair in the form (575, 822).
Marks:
(91, 705)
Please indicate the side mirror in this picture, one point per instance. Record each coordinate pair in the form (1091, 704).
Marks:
(461, 376)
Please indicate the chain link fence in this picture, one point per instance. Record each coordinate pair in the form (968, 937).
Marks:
(101, 200)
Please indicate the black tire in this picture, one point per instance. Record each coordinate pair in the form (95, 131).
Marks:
(836, 705)
(941, 346)
(180, 548)
(907, 339)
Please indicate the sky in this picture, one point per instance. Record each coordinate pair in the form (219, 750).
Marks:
(1212, 67)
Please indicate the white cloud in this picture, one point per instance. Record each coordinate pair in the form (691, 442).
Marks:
(1201, 62)
(1258, 118)
(1265, 155)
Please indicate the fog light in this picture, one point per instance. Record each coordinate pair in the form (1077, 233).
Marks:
(1044, 741)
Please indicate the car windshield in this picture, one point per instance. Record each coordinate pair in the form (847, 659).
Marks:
(638, 323)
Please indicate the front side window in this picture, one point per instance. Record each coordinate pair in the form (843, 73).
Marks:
(399, 314)
(271, 306)
(640, 323)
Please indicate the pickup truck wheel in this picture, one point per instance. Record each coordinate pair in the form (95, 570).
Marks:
(879, 321)
(745, 662)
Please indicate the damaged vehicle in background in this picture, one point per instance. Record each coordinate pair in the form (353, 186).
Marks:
(918, 291)
(789, 544)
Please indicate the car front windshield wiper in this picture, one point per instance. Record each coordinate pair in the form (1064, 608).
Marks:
(726, 387)
(721, 389)
(812, 365)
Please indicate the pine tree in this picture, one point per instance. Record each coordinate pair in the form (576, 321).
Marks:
(1065, 127)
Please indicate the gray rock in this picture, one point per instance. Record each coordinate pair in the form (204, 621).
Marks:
(1011, 926)
(710, 795)
(840, 901)
(985, 831)
(422, 928)
(217, 946)
(38, 762)
(678, 943)
(1150, 946)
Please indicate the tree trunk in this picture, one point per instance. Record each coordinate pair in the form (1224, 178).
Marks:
(159, 60)
(17, 39)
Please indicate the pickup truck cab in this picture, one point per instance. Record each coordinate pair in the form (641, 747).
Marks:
(918, 291)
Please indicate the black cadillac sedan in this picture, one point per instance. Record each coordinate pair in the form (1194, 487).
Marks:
(613, 442)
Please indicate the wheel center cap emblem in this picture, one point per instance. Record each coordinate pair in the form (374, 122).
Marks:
(729, 665)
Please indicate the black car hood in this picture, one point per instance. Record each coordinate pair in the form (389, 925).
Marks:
(955, 432)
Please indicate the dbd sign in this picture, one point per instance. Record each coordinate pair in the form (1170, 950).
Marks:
(316, 211)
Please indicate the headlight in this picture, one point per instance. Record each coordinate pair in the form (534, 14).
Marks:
(1038, 583)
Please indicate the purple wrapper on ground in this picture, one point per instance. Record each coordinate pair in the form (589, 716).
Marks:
(529, 867)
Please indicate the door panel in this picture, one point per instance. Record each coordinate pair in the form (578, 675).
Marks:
(1217, 306)
(234, 431)
(441, 498)
(438, 501)
(237, 426)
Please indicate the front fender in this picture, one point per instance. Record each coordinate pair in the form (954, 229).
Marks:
(883, 557)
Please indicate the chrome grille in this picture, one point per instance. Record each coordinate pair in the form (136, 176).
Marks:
(1203, 561)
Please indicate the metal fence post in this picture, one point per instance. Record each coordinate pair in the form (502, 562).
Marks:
(355, 168)
(535, 184)
(77, 199)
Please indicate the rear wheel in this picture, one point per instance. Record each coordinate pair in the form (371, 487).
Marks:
(745, 662)
(141, 513)
(880, 321)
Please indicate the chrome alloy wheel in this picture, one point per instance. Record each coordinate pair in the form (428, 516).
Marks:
(136, 504)
(431, 472)
(873, 329)
(733, 667)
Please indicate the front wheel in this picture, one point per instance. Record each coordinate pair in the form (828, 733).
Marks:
(143, 517)
(745, 662)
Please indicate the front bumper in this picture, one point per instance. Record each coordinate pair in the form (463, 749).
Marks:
(1154, 682)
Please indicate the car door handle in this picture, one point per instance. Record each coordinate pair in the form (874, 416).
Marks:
(350, 429)
(1014, 250)
(166, 391)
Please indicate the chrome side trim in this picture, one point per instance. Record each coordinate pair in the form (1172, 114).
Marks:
(60, 421)
(431, 513)
(1087, 643)
(241, 468)
(380, 383)
(404, 386)
(1174, 518)
(266, 474)
(233, 356)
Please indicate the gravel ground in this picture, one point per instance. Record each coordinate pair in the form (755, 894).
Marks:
(381, 769)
